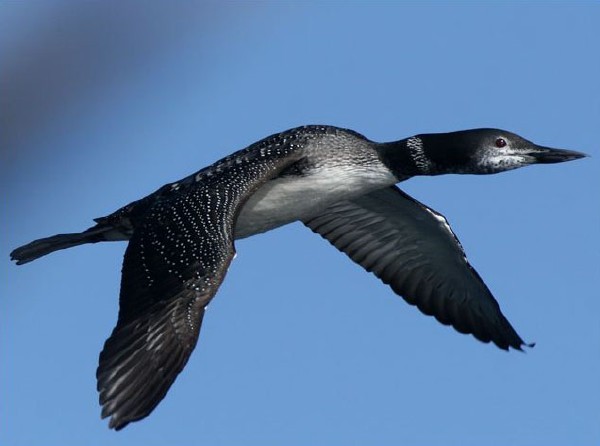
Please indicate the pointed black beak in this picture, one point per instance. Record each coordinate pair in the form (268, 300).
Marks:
(548, 155)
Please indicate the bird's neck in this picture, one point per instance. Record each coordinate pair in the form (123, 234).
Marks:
(428, 154)
(407, 157)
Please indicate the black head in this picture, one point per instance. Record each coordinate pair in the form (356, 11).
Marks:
(484, 151)
(477, 151)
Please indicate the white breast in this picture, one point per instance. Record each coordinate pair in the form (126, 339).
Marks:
(292, 198)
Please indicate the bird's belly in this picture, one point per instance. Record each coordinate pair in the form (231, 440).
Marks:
(285, 200)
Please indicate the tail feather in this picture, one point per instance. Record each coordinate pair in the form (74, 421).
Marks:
(44, 246)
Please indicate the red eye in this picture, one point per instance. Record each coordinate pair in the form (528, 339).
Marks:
(500, 142)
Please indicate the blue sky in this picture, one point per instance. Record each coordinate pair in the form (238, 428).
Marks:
(103, 105)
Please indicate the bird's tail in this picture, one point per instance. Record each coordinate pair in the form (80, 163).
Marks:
(43, 246)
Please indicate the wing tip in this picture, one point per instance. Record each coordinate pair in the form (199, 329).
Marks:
(116, 421)
(526, 345)
(516, 344)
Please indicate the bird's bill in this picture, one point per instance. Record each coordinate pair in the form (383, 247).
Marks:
(548, 155)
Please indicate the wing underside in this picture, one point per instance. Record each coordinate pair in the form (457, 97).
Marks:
(413, 249)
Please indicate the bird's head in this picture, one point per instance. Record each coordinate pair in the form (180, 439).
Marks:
(476, 151)
(485, 151)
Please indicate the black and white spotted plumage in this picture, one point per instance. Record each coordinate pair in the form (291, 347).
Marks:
(336, 181)
(174, 264)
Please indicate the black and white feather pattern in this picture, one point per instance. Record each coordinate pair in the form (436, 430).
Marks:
(340, 184)
(413, 249)
(175, 262)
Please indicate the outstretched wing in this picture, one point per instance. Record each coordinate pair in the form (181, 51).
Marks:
(173, 266)
(413, 249)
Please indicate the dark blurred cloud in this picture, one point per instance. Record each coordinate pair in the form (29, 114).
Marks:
(55, 55)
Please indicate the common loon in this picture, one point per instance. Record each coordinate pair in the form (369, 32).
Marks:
(339, 184)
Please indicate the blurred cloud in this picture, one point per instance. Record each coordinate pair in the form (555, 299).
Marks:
(58, 53)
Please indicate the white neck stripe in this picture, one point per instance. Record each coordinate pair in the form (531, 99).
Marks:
(415, 147)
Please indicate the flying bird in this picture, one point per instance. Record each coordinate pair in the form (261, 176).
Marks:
(339, 184)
